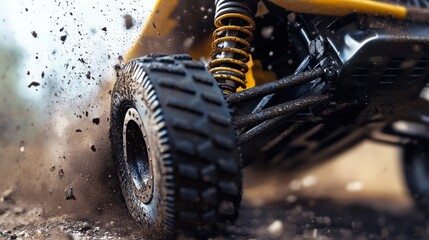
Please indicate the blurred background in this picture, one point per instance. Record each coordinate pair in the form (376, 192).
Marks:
(57, 68)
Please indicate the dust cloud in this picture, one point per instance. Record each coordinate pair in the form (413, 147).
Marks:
(56, 76)
(50, 145)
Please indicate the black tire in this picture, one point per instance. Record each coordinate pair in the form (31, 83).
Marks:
(416, 171)
(177, 159)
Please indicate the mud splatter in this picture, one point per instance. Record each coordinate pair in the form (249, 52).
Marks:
(128, 21)
(33, 84)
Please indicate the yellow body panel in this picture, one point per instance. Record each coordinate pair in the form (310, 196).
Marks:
(158, 27)
(159, 34)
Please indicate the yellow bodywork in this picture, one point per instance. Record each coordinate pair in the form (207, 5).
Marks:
(159, 34)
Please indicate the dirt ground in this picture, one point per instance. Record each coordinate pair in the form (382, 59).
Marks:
(359, 195)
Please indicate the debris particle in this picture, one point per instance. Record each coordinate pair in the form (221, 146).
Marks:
(61, 173)
(104, 29)
(7, 196)
(18, 210)
(81, 60)
(33, 84)
(354, 186)
(52, 169)
(88, 75)
(96, 121)
(85, 227)
(309, 181)
(153, 25)
(69, 193)
(315, 233)
(28, 73)
(78, 130)
(276, 228)
(43, 74)
(295, 185)
(117, 68)
(3, 211)
(93, 148)
(324, 220)
(129, 22)
(63, 38)
(291, 198)
(267, 32)
(22, 147)
(34, 34)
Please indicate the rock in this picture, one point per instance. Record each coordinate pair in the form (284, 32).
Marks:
(84, 226)
(96, 121)
(129, 22)
(61, 173)
(18, 210)
(3, 211)
(33, 84)
(69, 193)
(7, 196)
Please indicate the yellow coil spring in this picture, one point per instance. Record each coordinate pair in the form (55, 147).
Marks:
(233, 69)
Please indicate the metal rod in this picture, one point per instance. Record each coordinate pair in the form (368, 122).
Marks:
(265, 89)
(261, 129)
(265, 100)
(279, 110)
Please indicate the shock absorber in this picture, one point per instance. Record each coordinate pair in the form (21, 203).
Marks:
(230, 49)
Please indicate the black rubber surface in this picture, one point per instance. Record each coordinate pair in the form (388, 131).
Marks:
(197, 170)
(416, 171)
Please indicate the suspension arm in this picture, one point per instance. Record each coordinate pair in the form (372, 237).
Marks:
(271, 87)
(279, 110)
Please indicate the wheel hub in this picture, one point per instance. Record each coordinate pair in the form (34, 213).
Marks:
(137, 155)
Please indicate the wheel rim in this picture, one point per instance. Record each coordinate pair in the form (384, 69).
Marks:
(137, 156)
